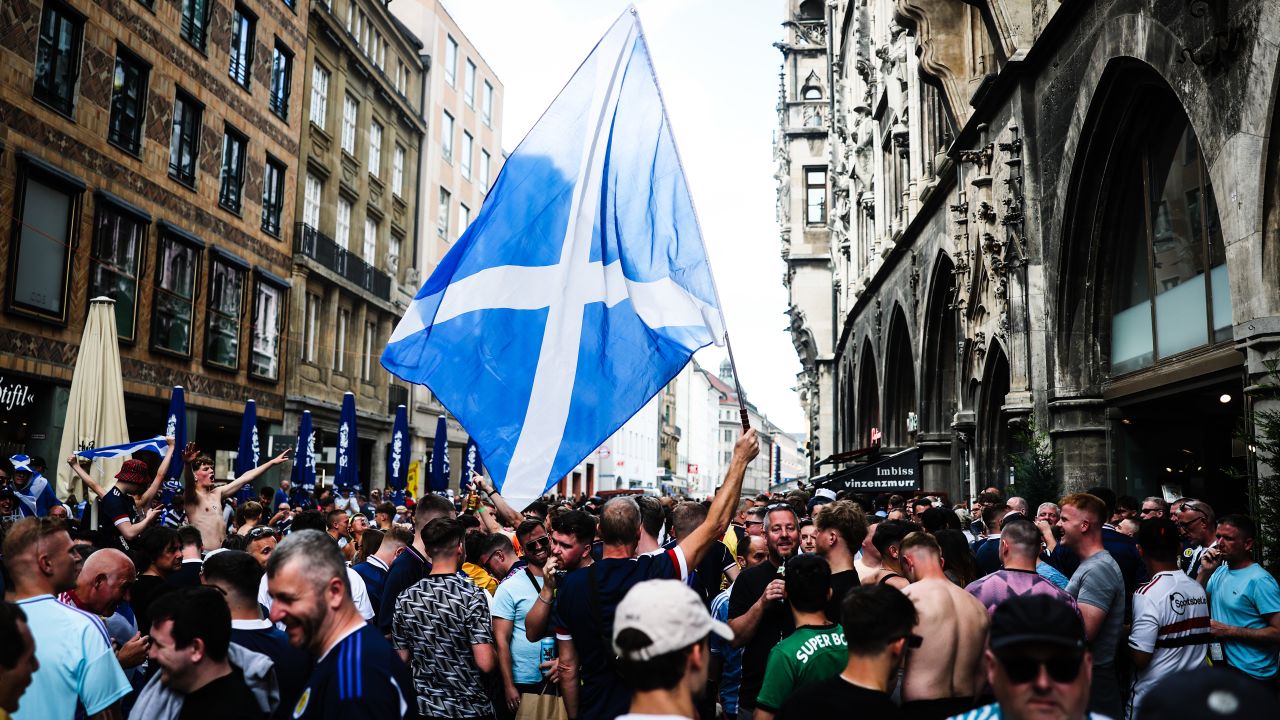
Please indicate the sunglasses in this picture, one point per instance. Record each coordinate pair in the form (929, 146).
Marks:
(263, 531)
(1024, 668)
(539, 543)
(1146, 511)
(1189, 523)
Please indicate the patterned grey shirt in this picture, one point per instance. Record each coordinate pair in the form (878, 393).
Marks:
(437, 621)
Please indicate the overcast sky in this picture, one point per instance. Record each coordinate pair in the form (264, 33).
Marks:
(719, 77)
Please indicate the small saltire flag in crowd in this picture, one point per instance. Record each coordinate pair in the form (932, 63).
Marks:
(398, 455)
(249, 450)
(346, 471)
(440, 457)
(581, 288)
(155, 445)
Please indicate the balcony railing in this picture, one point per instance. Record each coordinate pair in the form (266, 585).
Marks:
(320, 247)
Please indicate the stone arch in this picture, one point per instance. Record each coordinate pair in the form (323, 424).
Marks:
(993, 435)
(1271, 204)
(900, 402)
(868, 414)
(1132, 110)
(939, 371)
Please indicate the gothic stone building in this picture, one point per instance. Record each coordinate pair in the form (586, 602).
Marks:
(1059, 212)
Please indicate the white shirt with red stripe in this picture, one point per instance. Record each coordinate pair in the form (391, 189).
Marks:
(1170, 621)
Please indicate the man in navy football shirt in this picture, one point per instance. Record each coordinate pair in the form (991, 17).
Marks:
(357, 674)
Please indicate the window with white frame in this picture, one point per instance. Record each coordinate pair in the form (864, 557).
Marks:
(397, 170)
(319, 95)
(451, 61)
(469, 85)
(342, 235)
(311, 329)
(486, 104)
(442, 213)
(375, 148)
(350, 110)
(264, 355)
(467, 144)
(311, 201)
(370, 240)
(370, 348)
(464, 218)
(446, 136)
(484, 170)
(393, 254)
(340, 340)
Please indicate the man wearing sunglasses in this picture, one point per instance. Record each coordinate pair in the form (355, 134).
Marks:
(1199, 528)
(520, 660)
(1037, 663)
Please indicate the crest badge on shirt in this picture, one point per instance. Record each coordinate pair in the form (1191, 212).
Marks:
(301, 707)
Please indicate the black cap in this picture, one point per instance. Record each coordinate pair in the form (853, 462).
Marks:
(1208, 693)
(1036, 619)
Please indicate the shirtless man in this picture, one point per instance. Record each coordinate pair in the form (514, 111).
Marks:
(204, 498)
(882, 547)
(944, 675)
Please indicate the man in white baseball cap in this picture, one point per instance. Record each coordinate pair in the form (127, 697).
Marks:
(660, 634)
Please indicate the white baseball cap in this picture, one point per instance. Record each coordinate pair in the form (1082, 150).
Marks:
(670, 613)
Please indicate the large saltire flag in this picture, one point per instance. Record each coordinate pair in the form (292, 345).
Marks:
(581, 288)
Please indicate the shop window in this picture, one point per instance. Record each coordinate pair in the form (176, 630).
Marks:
(58, 56)
(118, 238)
(281, 80)
(176, 270)
(40, 255)
(226, 298)
(264, 356)
(815, 195)
(375, 148)
(233, 150)
(184, 140)
(243, 24)
(272, 196)
(319, 95)
(195, 20)
(128, 101)
(1170, 293)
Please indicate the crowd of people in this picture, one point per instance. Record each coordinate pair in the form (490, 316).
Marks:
(190, 600)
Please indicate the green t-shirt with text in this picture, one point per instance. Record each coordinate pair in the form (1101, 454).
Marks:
(810, 654)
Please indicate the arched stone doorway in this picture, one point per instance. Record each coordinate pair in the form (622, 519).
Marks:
(939, 384)
(1145, 305)
(992, 425)
(900, 385)
(868, 417)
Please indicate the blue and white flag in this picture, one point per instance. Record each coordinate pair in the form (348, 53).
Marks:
(249, 450)
(346, 471)
(156, 445)
(175, 427)
(471, 465)
(398, 456)
(304, 457)
(581, 288)
(439, 481)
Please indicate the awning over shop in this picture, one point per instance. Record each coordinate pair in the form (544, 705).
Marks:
(899, 472)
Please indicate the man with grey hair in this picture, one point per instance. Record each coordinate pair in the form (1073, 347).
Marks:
(1152, 508)
(1018, 505)
(1199, 527)
(587, 597)
(357, 674)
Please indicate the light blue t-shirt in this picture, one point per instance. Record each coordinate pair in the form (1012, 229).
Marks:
(513, 601)
(76, 659)
(1244, 598)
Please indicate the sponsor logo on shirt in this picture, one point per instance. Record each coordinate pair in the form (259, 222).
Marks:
(1178, 602)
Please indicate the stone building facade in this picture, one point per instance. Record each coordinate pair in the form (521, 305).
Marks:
(1059, 212)
(462, 154)
(354, 266)
(145, 149)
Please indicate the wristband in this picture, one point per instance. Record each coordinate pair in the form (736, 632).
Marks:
(541, 599)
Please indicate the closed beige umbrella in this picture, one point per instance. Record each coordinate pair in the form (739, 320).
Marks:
(95, 409)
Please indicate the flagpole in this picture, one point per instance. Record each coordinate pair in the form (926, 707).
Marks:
(742, 400)
(675, 147)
